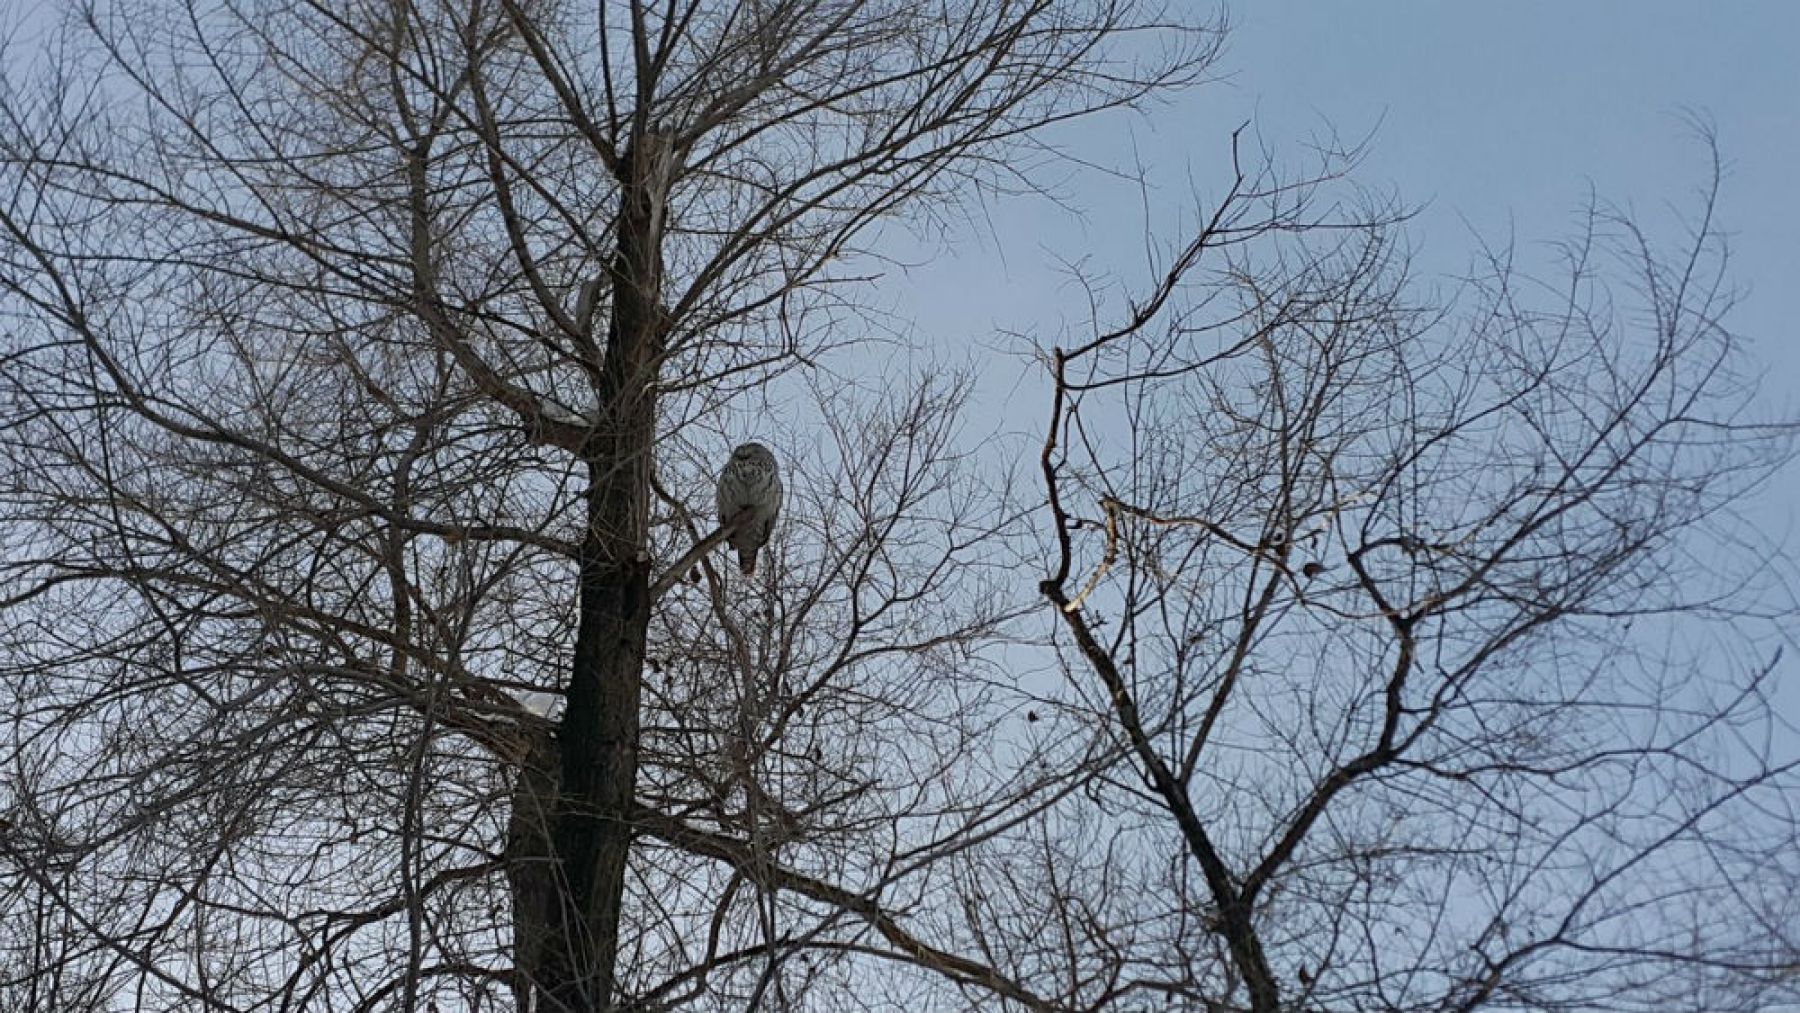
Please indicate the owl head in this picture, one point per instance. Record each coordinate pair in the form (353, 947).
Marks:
(752, 451)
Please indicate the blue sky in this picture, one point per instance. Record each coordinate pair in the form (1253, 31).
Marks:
(1496, 118)
(1507, 111)
(1501, 117)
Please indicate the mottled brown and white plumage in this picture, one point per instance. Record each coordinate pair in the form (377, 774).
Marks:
(750, 480)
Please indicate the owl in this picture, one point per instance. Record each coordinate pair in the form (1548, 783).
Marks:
(750, 479)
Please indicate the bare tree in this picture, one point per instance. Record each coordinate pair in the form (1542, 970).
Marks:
(1413, 621)
(367, 368)
(361, 362)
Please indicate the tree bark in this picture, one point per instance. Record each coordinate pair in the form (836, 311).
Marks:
(571, 961)
(530, 869)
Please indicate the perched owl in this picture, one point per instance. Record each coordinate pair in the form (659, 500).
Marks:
(750, 479)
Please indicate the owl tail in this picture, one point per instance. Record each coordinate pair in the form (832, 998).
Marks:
(747, 561)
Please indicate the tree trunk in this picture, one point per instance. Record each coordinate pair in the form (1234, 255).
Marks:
(530, 871)
(571, 961)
